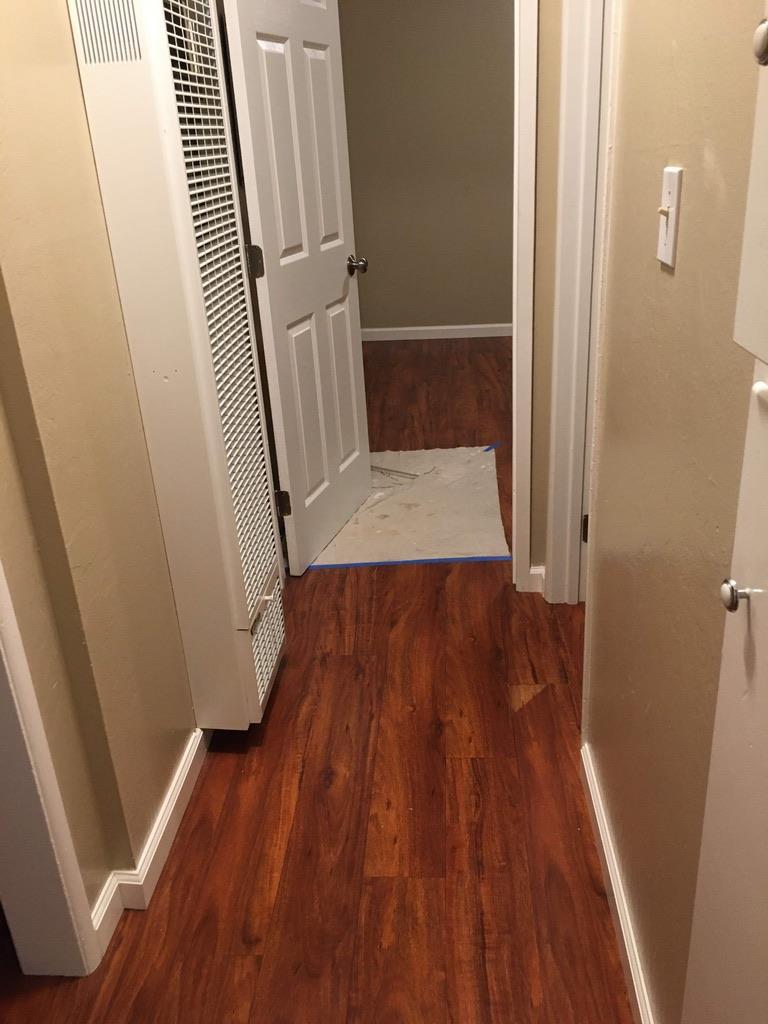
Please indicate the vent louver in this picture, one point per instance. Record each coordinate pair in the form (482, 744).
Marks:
(108, 31)
(210, 181)
(268, 638)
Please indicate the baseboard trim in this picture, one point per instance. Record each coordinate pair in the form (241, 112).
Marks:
(533, 583)
(622, 917)
(426, 333)
(132, 890)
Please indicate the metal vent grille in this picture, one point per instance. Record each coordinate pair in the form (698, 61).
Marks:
(212, 197)
(108, 31)
(267, 640)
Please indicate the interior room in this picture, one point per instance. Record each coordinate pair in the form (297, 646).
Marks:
(430, 128)
(383, 574)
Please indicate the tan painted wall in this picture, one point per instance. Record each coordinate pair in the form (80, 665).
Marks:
(430, 113)
(673, 395)
(117, 682)
(550, 18)
(68, 702)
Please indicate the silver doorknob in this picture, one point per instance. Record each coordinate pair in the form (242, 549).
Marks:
(353, 264)
(731, 594)
(760, 42)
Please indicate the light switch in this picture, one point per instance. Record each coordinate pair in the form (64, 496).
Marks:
(669, 215)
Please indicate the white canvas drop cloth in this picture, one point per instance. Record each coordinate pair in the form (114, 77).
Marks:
(425, 505)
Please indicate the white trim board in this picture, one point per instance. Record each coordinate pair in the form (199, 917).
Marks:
(445, 331)
(526, 72)
(634, 972)
(41, 885)
(577, 205)
(534, 582)
(612, 14)
(132, 890)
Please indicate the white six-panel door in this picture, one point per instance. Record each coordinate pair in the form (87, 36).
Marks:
(286, 65)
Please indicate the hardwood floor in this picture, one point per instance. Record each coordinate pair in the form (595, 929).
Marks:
(405, 838)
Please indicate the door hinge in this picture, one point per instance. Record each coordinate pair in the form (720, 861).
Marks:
(255, 259)
(585, 529)
(283, 499)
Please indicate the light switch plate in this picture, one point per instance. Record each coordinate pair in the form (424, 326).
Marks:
(669, 215)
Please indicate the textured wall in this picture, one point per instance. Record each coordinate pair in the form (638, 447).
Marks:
(429, 93)
(673, 394)
(75, 449)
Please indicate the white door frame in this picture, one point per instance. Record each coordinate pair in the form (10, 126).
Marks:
(581, 191)
(526, 71)
(41, 886)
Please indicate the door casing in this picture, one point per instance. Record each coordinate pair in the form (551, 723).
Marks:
(41, 886)
(586, 116)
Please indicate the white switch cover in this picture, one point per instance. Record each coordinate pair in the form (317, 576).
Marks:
(669, 215)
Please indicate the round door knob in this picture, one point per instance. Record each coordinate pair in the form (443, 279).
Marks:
(760, 42)
(353, 264)
(731, 594)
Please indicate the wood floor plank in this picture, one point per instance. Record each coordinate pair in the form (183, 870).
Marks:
(143, 955)
(399, 969)
(479, 602)
(570, 624)
(238, 989)
(251, 845)
(406, 826)
(333, 613)
(470, 716)
(534, 647)
(491, 948)
(492, 959)
(241, 853)
(307, 959)
(485, 817)
(572, 916)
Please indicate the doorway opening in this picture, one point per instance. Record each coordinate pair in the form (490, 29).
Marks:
(419, 296)
(430, 129)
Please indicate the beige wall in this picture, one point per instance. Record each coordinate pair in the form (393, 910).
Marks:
(68, 702)
(550, 17)
(673, 394)
(105, 645)
(430, 115)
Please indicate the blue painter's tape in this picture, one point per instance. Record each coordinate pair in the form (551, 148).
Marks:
(416, 561)
(492, 447)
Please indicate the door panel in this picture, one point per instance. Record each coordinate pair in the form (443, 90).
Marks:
(280, 118)
(323, 137)
(286, 66)
(347, 412)
(727, 982)
(312, 435)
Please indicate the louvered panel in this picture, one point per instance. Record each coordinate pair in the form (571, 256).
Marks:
(108, 31)
(268, 637)
(212, 197)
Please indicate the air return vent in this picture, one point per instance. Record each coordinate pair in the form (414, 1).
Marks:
(211, 195)
(108, 31)
(268, 637)
(161, 139)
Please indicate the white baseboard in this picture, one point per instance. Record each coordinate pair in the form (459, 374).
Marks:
(533, 582)
(132, 890)
(622, 917)
(426, 333)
